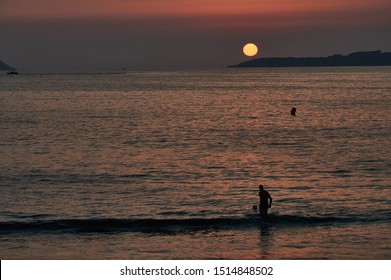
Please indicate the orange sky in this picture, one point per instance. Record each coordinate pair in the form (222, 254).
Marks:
(39, 9)
(93, 35)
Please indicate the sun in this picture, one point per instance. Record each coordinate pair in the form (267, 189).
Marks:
(250, 49)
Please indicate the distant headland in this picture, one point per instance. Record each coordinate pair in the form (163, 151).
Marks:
(367, 58)
(5, 67)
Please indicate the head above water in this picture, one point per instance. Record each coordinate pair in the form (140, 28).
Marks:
(293, 111)
(260, 187)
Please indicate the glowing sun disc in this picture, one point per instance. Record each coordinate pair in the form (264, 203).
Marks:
(250, 49)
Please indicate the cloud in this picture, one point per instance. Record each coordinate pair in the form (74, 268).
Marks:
(60, 9)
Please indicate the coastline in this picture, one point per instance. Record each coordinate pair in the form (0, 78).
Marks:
(367, 58)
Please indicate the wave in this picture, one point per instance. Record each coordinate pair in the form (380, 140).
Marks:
(165, 225)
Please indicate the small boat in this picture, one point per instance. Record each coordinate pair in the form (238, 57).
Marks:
(12, 73)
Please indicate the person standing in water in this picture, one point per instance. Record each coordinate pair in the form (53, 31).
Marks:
(265, 201)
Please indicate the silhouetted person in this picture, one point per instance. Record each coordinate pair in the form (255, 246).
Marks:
(293, 111)
(265, 201)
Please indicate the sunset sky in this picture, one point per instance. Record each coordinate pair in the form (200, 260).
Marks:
(101, 35)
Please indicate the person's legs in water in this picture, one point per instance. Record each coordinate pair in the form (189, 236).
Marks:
(263, 212)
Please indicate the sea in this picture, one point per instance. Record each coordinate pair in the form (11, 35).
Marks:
(165, 165)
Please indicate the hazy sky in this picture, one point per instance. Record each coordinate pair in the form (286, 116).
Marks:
(102, 35)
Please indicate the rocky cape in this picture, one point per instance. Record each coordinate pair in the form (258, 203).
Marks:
(5, 67)
(368, 58)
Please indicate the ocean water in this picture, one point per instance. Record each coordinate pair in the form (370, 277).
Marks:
(166, 165)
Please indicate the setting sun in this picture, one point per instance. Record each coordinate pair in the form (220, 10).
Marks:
(250, 49)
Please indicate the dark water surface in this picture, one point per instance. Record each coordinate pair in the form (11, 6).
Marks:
(165, 165)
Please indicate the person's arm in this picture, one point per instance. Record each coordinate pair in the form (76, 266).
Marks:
(270, 203)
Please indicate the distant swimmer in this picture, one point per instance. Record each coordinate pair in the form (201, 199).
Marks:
(265, 201)
(293, 111)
